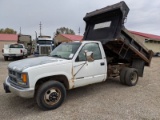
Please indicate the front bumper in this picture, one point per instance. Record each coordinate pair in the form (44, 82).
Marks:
(22, 92)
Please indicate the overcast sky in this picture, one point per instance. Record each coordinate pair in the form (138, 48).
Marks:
(144, 15)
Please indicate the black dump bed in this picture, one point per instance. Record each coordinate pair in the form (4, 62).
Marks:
(107, 25)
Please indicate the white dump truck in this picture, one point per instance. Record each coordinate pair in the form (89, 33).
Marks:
(107, 50)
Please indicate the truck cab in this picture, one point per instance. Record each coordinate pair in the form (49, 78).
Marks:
(43, 46)
(70, 65)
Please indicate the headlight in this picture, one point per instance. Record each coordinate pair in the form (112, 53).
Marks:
(24, 79)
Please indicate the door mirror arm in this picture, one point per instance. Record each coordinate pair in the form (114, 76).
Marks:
(89, 56)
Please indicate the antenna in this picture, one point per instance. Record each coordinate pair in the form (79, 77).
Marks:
(40, 27)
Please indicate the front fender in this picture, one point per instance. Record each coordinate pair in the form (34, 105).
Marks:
(44, 71)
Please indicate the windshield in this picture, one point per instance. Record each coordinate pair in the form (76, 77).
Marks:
(65, 50)
(44, 42)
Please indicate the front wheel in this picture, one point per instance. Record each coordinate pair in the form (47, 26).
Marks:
(50, 95)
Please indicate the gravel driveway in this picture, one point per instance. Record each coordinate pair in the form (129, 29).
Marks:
(104, 101)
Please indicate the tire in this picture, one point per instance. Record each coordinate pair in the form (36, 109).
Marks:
(21, 57)
(122, 75)
(48, 93)
(6, 58)
(131, 77)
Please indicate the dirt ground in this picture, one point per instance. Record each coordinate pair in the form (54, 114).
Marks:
(104, 101)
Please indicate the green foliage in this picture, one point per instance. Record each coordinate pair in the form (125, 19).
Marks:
(8, 31)
(64, 30)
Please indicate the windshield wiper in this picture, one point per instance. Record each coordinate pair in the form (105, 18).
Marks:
(59, 56)
(56, 56)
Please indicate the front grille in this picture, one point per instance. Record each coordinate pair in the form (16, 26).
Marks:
(15, 79)
(45, 50)
(14, 76)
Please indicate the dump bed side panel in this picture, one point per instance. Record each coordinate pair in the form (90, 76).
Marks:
(138, 49)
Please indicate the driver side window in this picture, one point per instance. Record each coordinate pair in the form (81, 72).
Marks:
(90, 47)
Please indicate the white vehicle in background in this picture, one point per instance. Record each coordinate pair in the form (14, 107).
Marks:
(44, 45)
(14, 51)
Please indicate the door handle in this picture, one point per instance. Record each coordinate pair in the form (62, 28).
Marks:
(102, 63)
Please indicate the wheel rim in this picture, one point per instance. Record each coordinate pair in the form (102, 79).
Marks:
(52, 96)
(134, 77)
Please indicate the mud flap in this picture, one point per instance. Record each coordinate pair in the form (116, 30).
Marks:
(139, 65)
(6, 88)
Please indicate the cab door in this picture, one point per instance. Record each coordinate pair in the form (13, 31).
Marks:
(89, 72)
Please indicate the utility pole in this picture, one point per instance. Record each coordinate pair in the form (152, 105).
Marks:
(79, 30)
(40, 26)
(36, 34)
(20, 30)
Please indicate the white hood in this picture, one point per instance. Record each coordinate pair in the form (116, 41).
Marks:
(20, 65)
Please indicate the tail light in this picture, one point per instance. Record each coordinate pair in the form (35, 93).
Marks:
(21, 51)
(2, 50)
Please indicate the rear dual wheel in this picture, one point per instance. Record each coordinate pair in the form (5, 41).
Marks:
(129, 76)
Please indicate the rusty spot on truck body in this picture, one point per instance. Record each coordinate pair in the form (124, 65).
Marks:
(71, 82)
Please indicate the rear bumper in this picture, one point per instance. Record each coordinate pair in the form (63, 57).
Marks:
(23, 92)
(12, 55)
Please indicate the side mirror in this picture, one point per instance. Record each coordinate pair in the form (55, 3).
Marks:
(89, 56)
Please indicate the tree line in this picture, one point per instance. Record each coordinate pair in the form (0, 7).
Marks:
(8, 31)
(61, 30)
